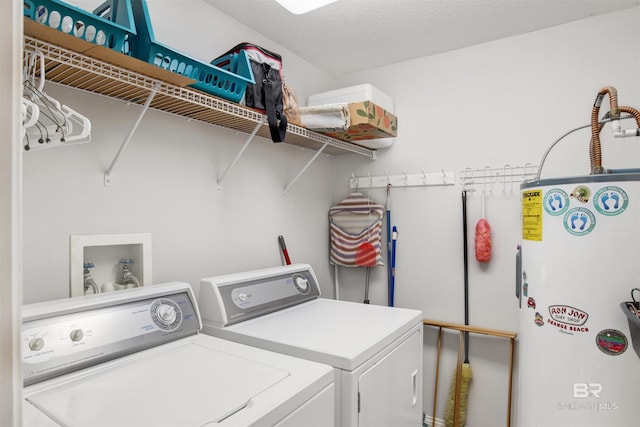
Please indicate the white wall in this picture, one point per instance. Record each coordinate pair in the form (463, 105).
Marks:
(498, 103)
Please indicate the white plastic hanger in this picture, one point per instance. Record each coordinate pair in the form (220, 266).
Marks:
(54, 124)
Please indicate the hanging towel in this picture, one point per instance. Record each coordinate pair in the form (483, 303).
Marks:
(355, 226)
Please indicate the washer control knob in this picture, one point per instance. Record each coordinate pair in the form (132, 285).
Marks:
(166, 313)
(302, 284)
(242, 296)
(76, 335)
(36, 344)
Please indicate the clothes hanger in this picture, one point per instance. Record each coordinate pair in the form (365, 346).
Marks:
(56, 124)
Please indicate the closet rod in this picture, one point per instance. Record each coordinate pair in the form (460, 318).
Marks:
(145, 107)
(414, 180)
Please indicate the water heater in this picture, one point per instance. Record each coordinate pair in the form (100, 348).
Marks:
(579, 345)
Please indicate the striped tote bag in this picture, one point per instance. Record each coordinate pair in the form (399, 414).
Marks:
(355, 226)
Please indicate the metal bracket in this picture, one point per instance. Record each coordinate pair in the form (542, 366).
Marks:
(145, 107)
(244, 147)
(305, 167)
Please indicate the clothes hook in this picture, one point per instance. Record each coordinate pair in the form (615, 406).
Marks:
(524, 171)
(467, 179)
(504, 176)
(484, 177)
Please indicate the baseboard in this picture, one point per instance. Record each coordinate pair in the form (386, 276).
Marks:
(427, 421)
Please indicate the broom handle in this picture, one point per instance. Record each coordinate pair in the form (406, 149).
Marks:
(456, 400)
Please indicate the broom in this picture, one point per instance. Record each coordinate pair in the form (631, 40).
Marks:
(457, 403)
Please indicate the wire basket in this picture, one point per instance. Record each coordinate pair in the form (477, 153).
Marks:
(228, 81)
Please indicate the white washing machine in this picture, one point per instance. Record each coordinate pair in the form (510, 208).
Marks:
(376, 351)
(135, 358)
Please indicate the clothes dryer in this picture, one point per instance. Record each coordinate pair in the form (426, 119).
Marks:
(376, 351)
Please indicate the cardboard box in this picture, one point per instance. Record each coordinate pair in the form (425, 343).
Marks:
(368, 121)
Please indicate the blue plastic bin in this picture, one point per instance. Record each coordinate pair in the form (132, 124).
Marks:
(110, 25)
(228, 81)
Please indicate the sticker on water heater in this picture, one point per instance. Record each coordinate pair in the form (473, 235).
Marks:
(611, 201)
(567, 318)
(539, 320)
(532, 215)
(611, 342)
(579, 221)
(556, 202)
(581, 193)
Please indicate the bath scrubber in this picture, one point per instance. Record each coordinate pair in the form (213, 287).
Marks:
(465, 376)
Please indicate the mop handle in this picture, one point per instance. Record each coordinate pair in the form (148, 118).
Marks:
(394, 240)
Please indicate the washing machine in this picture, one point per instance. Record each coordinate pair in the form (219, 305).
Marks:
(136, 358)
(376, 351)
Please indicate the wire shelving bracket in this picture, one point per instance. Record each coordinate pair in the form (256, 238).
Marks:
(244, 147)
(145, 107)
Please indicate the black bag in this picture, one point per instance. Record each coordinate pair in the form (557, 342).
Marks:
(266, 94)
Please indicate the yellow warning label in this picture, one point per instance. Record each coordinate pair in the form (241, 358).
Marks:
(532, 215)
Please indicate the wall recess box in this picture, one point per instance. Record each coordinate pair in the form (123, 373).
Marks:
(105, 251)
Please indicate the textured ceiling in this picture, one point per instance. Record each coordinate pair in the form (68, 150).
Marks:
(355, 35)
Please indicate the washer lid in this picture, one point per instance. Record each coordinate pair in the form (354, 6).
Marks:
(188, 385)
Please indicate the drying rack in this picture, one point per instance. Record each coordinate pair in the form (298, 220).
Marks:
(475, 330)
(74, 63)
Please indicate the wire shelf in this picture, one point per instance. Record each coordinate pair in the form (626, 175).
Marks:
(91, 74)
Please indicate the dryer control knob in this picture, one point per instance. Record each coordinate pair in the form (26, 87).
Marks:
(166, 313)
(302, 284)
(242, 297)
(36, 344)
